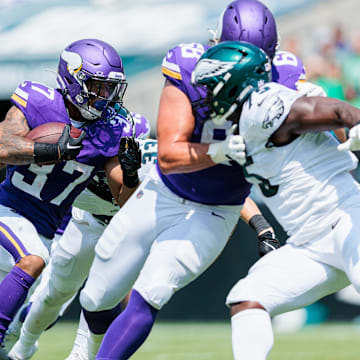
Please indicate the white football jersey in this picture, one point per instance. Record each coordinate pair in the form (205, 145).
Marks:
(89, 201)
(303, 183)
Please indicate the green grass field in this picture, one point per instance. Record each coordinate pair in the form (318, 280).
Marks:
(211, 341)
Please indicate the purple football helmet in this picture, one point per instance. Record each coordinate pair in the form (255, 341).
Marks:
(250, 21)
(91, 76)
(287, 69)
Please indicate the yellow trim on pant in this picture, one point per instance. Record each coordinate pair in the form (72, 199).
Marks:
(13, 241)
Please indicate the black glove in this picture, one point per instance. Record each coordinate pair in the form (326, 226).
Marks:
(66, 148)
(130, 160)
(267, 242)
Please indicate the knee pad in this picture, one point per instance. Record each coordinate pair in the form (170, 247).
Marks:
(87, 302)
(61, 275)
(92, 296)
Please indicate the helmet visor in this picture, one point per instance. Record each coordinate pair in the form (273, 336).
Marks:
(103, 92)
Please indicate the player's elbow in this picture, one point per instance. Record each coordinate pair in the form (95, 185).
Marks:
(167, 160)
(165, 164)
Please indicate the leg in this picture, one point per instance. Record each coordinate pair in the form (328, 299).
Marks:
(119, 257)
(29, 255)
(15, 285)
(346, 235)
(69, 266)
(171, 265)
(121, 251)
(276, 283)
(136, 325)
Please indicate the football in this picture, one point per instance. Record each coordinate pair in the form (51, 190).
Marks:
(50, 132)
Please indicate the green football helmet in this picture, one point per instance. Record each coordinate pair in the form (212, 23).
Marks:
(231, 71)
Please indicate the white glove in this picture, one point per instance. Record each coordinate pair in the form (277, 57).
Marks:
(306, 88)
(353, 142)
(232, 148)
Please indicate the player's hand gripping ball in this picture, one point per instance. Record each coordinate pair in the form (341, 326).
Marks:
(66, 141)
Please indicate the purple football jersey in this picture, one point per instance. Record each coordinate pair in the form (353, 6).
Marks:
(142, 126)
(44, 194)
(287, 69)
(64, 223)
(218, 185)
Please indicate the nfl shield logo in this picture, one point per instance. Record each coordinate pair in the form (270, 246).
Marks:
(140, 194)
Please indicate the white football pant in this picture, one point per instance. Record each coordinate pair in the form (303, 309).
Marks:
(170, 239)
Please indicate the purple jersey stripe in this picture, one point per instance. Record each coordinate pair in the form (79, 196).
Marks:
(12, 243)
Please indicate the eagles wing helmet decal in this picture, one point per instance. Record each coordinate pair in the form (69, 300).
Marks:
(209, 67)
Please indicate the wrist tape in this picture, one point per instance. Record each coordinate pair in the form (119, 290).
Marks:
(131, 181)
(258, 223)
(44, 152)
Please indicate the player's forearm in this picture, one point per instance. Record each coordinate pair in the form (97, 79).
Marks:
(249, 210)
(16, 150)
(251, 214)
(349, 115)
(327, 114)
(184, 157)
(315, 114)
(124, 195)
(14, 147)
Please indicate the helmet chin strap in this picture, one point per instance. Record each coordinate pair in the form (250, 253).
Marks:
(77, 124)
(89, 115)
(88, 118)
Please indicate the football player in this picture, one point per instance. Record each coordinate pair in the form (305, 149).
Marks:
(304, 180)
(71, 259)
(189, 206)
(35, 198)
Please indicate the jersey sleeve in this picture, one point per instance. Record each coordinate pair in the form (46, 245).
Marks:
(179, 63)
(265, 111)
(38, 102)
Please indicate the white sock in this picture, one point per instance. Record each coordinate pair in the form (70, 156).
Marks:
(25, 348)
(40, 316)
(80, 348)
(252, 336)
(94, 342)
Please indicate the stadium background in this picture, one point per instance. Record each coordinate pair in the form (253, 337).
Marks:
(33, 32)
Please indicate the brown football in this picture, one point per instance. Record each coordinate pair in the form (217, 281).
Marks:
(50, 132)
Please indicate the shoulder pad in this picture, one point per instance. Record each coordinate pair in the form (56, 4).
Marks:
(39, 103)
(180, 61)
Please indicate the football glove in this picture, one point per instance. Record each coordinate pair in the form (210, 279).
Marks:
(69, 147)
(232, 148)
(130, 160)
(66, 148)
(353, 142)
(267, 242)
